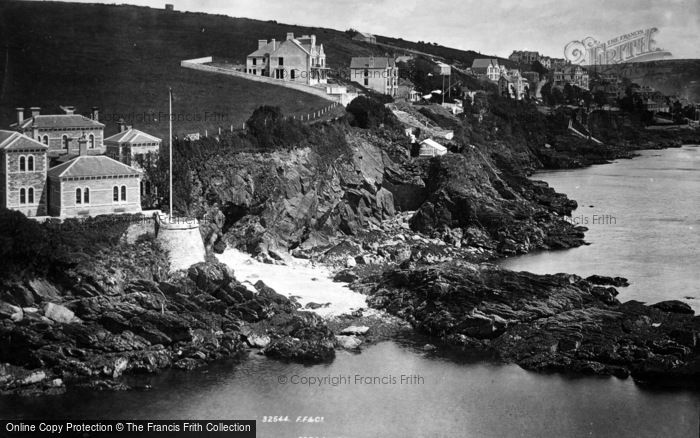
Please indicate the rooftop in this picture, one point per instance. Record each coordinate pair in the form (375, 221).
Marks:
(91, 165)
(46, 121)
(372, 62)
(15, 140)
(133, 136)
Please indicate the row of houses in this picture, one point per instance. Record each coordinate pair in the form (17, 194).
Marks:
(303, 60)
(62, 165)
(530, 57)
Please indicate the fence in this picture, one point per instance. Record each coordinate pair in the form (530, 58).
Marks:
(200, 64)
(320, 114)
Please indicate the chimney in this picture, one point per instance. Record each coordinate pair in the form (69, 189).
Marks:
(122, 125)
(20, 115)
(290, 35)
(274, 43)
(69, 110)
(82, 146)
(313, 40)
(261, 44)
(95, 114)
(35, 111)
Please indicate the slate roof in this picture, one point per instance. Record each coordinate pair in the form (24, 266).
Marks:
(484, 62)
(44, 121)
(372, 62)
(14, 140)
(132, 136)
(91, 165)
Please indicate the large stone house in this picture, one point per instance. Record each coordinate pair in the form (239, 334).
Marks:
(365, 37)
(376, 73)
(488, 68)
(513, 85)
(294, 59)
(131, 146)
(571, 74)
(23, 164)
(90, 185)
(62, 132)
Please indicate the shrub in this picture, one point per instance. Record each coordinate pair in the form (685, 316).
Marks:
(369, 113)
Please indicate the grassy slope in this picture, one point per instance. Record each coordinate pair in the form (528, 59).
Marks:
(123, 58)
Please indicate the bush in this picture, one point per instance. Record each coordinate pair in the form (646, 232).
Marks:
(369, 113)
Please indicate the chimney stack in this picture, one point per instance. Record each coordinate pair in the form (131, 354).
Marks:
(20, 115)
(69, 110)
(95, 114)
(35, 111)
(82, 146)
(290, 35)
(261, 44)
(313, 40)
(274, 43)
(122, 125)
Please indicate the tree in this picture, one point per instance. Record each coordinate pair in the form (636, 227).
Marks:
(368, 113)
(600, 98)
(557, 97)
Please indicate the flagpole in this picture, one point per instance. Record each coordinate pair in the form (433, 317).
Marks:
(170, 116)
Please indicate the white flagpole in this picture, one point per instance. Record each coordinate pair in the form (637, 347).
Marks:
(170, 116)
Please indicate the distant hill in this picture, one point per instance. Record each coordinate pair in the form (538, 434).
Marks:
(123, 58)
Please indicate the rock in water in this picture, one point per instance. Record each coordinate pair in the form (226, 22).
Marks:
(355, 330)
(257, 341)
(348, 342)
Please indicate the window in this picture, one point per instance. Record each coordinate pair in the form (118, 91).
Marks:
(292, 74)
(281, 60)
(366, 82)
(123, 193)
(86, 196)
(22, 163)
(115, 194)
(30, 195)
(78, 196)
(255, 61)
(22, 196)
(30, 163)
(255, 71)
(366, 72)
(91, 141)
(45, 140)
(65, 142)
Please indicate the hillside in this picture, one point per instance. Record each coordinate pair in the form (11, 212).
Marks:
(123, 58)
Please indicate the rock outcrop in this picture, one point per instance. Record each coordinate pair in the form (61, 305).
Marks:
(544, 322)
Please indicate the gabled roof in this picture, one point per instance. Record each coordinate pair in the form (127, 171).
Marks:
(133, 136)
(364, 35)
(372, 62)
(484, 62)
(433, 144)
(267, 49)
(91, 165)
(44, 121)
(10, 140)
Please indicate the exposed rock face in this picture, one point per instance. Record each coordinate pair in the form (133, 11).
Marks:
(471, 203)
(551, 322)
(183, 321)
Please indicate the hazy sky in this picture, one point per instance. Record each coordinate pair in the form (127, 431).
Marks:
(493, 27)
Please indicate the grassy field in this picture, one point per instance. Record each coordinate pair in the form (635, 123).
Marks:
(123, 59)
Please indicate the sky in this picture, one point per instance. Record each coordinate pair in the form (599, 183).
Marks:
(492, 27)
